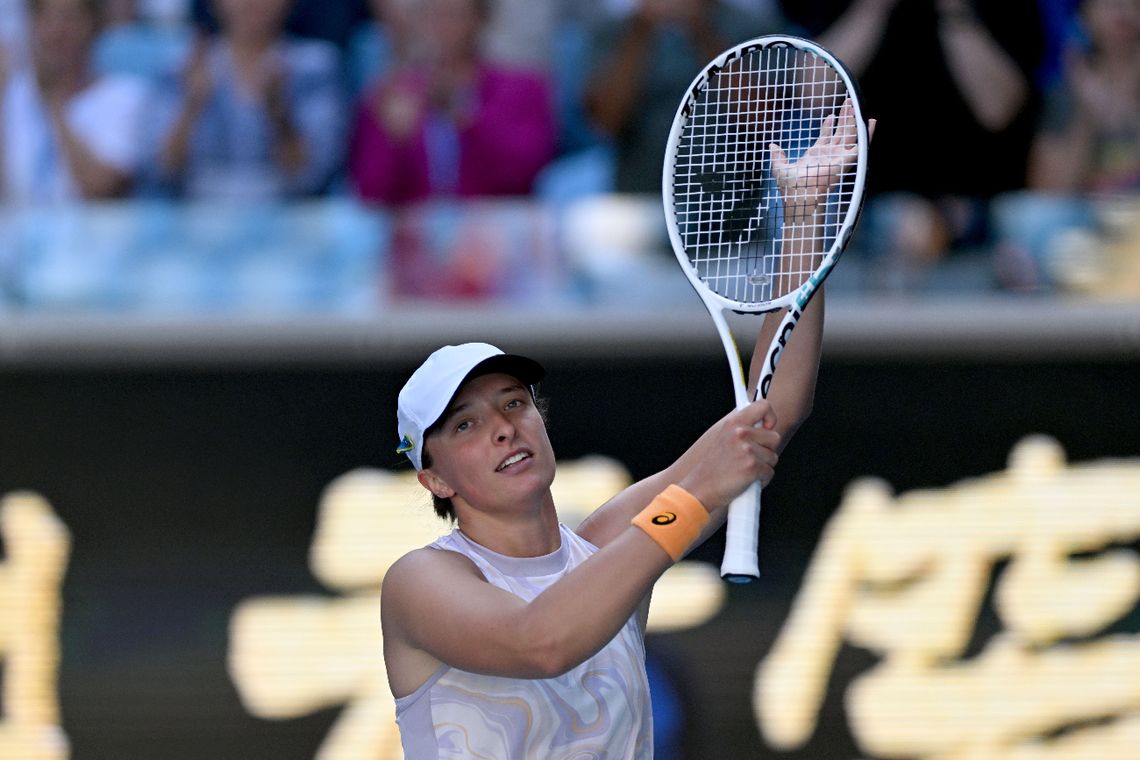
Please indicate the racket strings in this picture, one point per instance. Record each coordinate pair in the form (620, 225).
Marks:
(729, 208)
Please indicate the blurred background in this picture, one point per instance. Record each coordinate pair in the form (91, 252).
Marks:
(230, 229)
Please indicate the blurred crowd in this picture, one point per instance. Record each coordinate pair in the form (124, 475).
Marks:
(1005, 129)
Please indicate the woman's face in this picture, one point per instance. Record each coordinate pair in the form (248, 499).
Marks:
(443, 29)
(490, 449)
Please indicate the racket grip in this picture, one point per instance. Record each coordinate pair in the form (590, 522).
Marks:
(741, 562)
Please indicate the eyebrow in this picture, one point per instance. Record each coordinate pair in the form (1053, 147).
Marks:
(448, 413)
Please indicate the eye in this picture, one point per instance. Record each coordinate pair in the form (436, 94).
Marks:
(462, 425)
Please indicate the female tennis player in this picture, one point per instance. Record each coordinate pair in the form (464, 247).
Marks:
(514, 636)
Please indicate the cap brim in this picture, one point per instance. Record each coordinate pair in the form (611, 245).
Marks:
(527, 370)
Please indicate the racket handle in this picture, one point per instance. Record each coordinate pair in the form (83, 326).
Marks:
(741, 562)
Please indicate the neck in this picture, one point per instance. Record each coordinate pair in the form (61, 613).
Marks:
(249, 49)
(530, 535)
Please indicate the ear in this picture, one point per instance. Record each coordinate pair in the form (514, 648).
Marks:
(435, 484)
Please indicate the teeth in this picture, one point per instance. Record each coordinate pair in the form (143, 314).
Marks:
(516, 458)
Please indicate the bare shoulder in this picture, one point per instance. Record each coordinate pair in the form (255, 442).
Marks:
(414, 589)
(426, 566)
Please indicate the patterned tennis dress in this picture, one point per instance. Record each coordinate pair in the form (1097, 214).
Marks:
(600, 709)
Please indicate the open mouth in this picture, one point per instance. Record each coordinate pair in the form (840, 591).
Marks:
(512, 460)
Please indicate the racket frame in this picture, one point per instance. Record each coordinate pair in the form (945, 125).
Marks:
(741, 559)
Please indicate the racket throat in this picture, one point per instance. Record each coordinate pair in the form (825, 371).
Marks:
(776, 351)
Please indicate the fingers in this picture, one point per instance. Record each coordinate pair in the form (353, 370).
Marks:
(763, 433)
(759, 413)
(839, 129)
(766, 412)
(755, 430)
(779, 158)
(846, 133)
(762, 444)
(827, 130)
(758, 453)
(742, 455)
(766, 460)
(742, 448)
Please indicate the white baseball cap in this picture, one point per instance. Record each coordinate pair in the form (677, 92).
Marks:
(426, 395)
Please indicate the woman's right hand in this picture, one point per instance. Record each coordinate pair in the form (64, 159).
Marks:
(737, 451)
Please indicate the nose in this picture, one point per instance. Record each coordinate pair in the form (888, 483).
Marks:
(503, 429)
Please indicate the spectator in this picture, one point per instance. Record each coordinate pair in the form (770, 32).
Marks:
(647, 58)
(443, 120)
(68, 134)
(951, 72)
(1087, 146)
(258, 115)
(1089, 141)
(545, 37)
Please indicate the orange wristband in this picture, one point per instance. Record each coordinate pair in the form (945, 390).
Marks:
(673, 519)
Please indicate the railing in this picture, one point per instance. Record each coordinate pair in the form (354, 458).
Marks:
(333, 280)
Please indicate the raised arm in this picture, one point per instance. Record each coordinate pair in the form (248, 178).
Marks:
(613, 91)
(174, 152)
(804, 186)
(495, 632)
(986, 75)
(856, 36)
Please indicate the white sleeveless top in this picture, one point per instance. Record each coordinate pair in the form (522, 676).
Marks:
(600, 709)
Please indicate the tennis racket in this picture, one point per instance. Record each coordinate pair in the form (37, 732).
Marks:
(762, 185)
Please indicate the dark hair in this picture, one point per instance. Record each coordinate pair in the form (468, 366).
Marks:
(444, 509)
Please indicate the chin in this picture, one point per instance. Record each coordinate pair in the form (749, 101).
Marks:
(539, 480)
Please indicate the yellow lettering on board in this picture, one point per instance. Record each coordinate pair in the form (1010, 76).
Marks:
(905, 578)
(37, 547)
